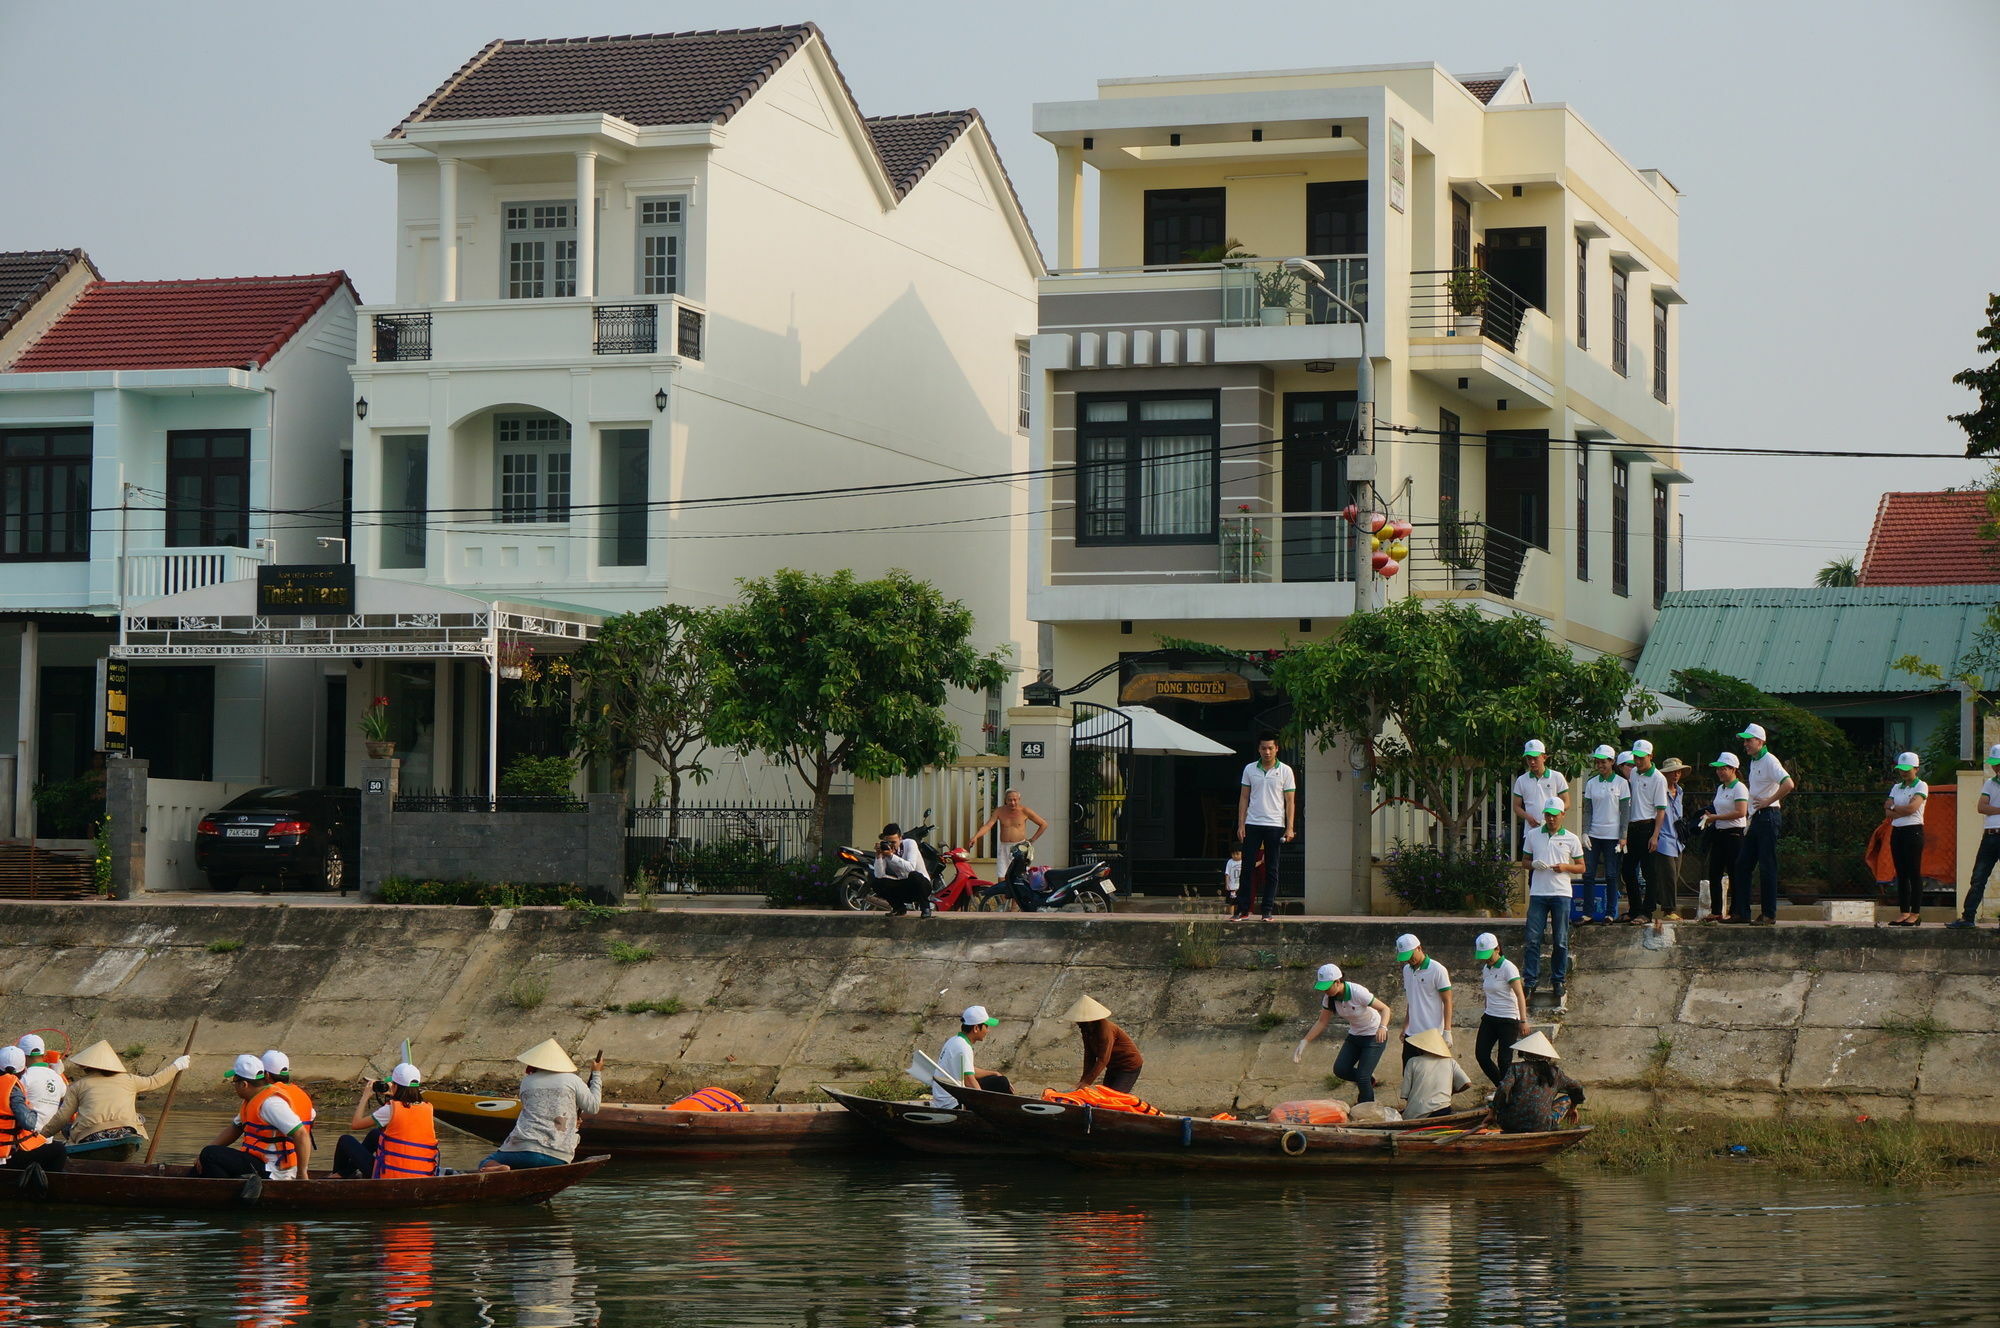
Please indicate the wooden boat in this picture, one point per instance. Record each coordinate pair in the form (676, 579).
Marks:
(928, 1129)
(636, 1129)
(122, 1149)
(1457, 1120)
(160, 1186)
(1123, 1138)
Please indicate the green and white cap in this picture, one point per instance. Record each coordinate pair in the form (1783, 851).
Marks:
(247, 1067)
(1534, 748)
(1642, 748)
(1406, 945)
(1603, 752)
(1484, 944)
(1752, 731)
(1727, 759)
(975, 1015)
(1327, 976)
(1993, 755)
(1908, 761)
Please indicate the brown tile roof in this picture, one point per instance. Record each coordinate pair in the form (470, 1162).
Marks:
(224, 322)
(1482, 88)
(911, 144)
(27, 275)
(1931, 539)
(660, 78)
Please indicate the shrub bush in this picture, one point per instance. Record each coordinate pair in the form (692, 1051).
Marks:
(481, 894)
(807, 884)
(538, 777)
(1452, 878)
(70, 808)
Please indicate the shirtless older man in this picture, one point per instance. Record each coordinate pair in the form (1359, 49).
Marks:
(1013, 817)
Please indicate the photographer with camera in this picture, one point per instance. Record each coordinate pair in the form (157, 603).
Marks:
(900, 875)
(403, 1142)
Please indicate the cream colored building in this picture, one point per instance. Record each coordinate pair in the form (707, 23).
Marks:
(1519, 282)
(636, 274)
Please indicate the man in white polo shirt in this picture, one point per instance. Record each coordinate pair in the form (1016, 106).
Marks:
(1989, 841)
(1537, 787)
(1606, 795)
(1770, 784)
(1554, 855)
(1643, 815)
(1426, 998)
(1265, 811)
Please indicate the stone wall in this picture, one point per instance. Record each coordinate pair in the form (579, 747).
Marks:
(1828, 1020)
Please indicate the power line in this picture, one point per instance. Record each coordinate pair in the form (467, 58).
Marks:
(1527, 435)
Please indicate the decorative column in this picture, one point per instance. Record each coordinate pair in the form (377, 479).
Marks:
(379, 781)
(447, 290)
(1039, 737)
(1069, 210)
(586, 225)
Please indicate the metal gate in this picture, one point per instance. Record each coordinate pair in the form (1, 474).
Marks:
(1100, 766)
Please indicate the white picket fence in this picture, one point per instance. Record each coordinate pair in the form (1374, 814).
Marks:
(1396, 819)
(960, 797)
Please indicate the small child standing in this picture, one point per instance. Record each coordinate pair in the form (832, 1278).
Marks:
(1232, 875)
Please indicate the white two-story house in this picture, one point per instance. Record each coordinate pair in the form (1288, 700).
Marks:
(643, 283)
(1513, 284)
(158, 437)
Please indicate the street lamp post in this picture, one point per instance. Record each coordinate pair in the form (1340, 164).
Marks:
(1365, 581)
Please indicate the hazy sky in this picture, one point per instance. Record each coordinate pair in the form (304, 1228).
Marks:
(1837, 235)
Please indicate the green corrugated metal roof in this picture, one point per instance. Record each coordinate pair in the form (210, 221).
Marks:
(1788, 641)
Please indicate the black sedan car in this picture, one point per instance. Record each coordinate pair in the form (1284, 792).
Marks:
(300, 836)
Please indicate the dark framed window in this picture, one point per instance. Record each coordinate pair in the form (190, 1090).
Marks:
(1517, 484)
(1583, 292)
(1659, 542)
(1461, 232)
(624, 469)
(1582, 511)
(1620, 312)
(1147, 467)
(1660, 349)
(405, 499)
(1181, 222)
(1621, 527)
(1337, 217)
(45, 495)
(1517, 257)
(1450, 458)
(208, 488)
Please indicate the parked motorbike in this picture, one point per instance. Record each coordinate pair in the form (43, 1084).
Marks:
(1086, 886)
(856, 877)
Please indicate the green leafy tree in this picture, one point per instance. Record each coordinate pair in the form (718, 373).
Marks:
(641, 686)
(827, 673)
(1815, 752)
(1838, 572)
(1982, 422)
(1444, 695)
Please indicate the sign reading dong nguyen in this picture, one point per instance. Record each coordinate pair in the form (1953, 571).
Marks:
(307, 588)
(1185, 687)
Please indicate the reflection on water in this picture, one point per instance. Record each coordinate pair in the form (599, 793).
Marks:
(903, 1241)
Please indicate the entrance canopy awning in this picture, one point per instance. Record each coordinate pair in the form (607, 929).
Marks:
(392, 618)
(1153, 734)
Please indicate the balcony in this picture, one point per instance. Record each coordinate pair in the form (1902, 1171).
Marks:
(1475, 336)
(1244, 311)
(152, 574)
(1469, 556)
(1285, 546)
(506, 333)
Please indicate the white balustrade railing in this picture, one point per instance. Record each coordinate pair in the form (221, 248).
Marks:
(960, 797)
(1397, 819)
(156, 573)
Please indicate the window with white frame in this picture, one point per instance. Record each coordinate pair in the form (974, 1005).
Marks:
(531, 468)
(662, 245)
(1024, 391)
(539, 250)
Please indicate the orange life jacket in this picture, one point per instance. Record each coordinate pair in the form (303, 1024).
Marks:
(708, 1099)
(298, 1100)
(1097, 1095)
(409, 1143)
(272, 1147)
(14, 1133)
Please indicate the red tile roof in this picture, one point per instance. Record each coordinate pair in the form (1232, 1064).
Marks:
(911, 144)
(29, 274)
(1931, 539)
(657, 78)
(1482, 88)
(224, 322)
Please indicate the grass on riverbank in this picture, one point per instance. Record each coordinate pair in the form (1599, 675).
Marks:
(1874, 1152)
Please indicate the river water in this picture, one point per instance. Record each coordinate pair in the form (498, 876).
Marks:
(897, 1239)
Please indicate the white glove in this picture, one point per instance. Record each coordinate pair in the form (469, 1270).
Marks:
(1448, 1039)
(1299, 1052)
(182, 1062)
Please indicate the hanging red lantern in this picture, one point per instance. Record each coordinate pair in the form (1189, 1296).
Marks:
(1380, 561)
(1391, 567)
(1351, 514)
(1376, 521)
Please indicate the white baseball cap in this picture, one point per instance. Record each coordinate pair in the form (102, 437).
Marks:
(1728, 759)
(276, 1062)
(12, 1059)
(976, 1014)
(1328, 975)
(1484, 944)
(1642, 748)
(1603, 752)
(1534, 748)
(1993, 755)
(406, 1075)
(1405, 944)
(1554, 809)
(1909, 761)
(1623, 758)
(30, 1044)
(1752, 731)
(247, 1067)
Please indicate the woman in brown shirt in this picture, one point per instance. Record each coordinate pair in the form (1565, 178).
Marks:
(1108, 1050)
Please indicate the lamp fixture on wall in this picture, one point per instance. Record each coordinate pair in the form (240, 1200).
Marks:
(1321, 366)
(660, 400)
(361, 409)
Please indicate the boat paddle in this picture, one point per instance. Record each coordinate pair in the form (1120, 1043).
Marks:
(160, 1125)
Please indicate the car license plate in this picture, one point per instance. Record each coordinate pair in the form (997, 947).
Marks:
(241, 832)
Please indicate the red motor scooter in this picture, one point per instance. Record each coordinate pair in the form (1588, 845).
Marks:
(957, 893)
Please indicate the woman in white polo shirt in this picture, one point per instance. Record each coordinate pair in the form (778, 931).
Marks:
(1903, 809)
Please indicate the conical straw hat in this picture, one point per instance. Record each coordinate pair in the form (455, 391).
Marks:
(1430, 1040)
(1084, 1011)
(99, 1056)
(1538, 1044)
(548, 1056)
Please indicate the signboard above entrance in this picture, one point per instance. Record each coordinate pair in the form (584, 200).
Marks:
(298, 589)
(1206, 687)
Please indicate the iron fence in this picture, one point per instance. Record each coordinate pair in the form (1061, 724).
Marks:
(1443, 298)
(473, 802)
(714, 849)
(627, 329)
(402, 337)
(688, 333)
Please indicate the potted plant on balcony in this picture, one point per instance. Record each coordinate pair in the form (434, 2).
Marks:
(1468, 288)
(374, 726)
(1277, 291)
(1458, 549)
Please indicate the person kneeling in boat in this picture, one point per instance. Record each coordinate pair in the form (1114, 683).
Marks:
(275, 1142)
(1107, 1049)
(21, 1146)
(553, 1099)
(403, 1142)
(1427, 1075)
(1535, 1095)
(956, 1059)
(102, 1102)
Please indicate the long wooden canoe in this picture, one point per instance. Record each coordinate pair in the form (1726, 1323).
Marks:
(1457, 1120)
(160, 1186)
(1123, 1138)
(928, 1129)
(637, 1129)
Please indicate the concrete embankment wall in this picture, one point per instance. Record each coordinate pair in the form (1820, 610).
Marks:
(1816, 1020)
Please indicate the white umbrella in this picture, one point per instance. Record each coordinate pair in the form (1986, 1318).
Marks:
(1153, 734)
(1672, 710)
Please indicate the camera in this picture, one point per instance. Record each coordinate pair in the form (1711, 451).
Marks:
(884, 846)
(379, 1086)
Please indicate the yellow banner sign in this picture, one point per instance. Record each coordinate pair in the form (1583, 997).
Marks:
(1210, 687)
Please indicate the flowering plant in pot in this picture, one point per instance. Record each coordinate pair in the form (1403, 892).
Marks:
(374, 726)
(1468, 289)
